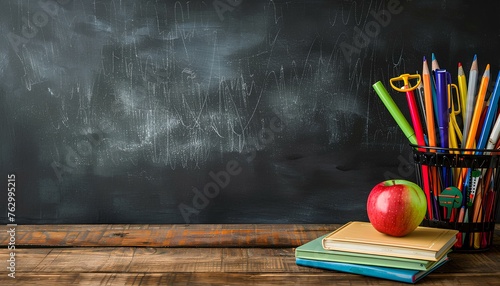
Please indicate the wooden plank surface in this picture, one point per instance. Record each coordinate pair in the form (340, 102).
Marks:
(236, 279)
(208, 266)
(203, 235)
(179, 260)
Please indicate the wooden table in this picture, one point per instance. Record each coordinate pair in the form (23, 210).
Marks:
(248, 254)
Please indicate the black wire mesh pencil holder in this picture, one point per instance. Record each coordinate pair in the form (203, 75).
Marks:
(462, 186)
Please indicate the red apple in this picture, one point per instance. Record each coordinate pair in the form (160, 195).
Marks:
(396, 207)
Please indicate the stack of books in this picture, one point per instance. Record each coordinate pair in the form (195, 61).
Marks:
(358, 248)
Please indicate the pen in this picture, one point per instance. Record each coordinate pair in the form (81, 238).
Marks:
(442, 105)
(434, 67)
(442, 80)
(471, 91)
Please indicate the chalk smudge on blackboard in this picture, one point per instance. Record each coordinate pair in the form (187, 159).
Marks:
(170, 85)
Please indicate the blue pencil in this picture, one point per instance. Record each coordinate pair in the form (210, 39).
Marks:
(491, 114)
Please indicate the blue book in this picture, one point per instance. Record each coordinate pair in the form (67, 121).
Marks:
(395, 274)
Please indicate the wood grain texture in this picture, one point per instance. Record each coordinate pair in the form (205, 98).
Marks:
(158, 260)
(203, 235)
(209, 266)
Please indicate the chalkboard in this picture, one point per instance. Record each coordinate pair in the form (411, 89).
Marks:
(218, 111)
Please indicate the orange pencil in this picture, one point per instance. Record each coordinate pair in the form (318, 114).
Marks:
(471, 138)
(431, 131)
(478, 110)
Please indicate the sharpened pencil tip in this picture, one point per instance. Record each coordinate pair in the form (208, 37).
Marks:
(425, 58)
(433, 57)
(459, 64)
(475, 58)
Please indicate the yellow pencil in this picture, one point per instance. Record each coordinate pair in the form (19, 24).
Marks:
(429, 108)
(478, 109)
(462, 89)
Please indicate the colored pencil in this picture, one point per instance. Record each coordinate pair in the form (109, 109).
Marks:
(471, 92)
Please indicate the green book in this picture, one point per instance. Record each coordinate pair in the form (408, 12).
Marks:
(314, 250)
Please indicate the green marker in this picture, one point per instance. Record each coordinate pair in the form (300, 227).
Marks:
(395, 112)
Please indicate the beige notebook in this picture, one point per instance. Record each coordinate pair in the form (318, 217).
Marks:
(361, 237)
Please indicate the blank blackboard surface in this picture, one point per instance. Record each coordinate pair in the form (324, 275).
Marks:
(224, 111)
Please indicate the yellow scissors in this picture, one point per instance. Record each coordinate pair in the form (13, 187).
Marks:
(455, 132)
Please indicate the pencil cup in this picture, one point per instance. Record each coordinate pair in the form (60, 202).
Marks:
(462, 187)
